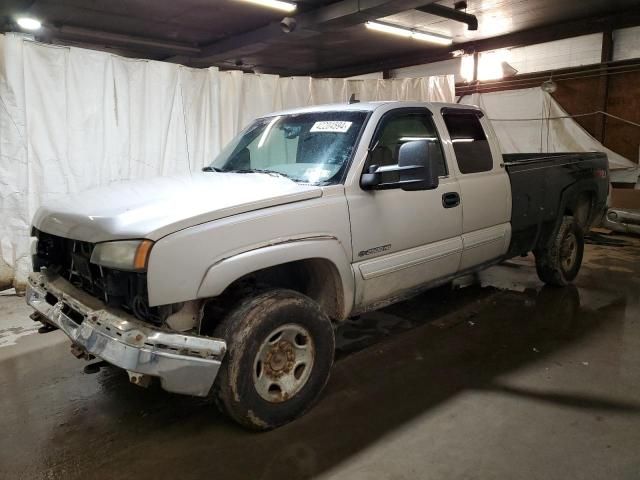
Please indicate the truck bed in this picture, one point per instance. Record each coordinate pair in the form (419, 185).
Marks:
(544, 187)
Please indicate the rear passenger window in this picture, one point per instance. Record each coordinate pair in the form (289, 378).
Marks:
(470, 144)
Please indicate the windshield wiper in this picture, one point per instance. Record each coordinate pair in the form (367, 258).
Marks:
(209, 168)
(259, 170)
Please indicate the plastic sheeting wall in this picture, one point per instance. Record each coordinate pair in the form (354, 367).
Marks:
(72, 119)
(507, 109)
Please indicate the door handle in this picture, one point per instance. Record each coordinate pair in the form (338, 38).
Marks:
(450, 199)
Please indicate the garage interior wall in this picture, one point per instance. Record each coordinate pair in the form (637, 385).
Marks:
(579, 95)
(72, 119)
(583, 95)
(508, 111)
(568, 52)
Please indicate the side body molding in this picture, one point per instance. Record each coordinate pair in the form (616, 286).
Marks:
(224, 272)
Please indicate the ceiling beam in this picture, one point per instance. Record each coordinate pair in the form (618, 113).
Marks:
(337, 16)
(451, 14)
(120, 39)
(532, 36)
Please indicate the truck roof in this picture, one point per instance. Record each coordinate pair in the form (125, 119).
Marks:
(366, 107)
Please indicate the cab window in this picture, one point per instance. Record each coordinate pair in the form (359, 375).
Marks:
(470, 143)
(399, 129)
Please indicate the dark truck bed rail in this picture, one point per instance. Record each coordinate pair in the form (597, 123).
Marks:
(545, 187)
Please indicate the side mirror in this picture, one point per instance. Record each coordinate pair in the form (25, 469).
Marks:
(371, 179)
(415, 166)
(415, 169)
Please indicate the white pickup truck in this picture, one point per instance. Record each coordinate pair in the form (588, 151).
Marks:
(229, 282)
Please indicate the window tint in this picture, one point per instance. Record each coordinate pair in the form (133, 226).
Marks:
(403, 128)
(469, 141)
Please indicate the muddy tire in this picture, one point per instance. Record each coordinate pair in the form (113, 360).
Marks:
(559, 264)
(280, 348)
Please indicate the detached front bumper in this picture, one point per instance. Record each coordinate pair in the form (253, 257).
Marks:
(622, 220)
(186, 364)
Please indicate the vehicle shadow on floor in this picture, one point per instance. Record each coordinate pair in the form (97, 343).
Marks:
(392, 366)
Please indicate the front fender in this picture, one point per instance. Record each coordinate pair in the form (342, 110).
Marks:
(224, 272)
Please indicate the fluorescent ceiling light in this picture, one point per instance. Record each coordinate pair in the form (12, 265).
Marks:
(463, 140)
(277, 4)
(409, 33)
(383, 27)
(432, 37)
(29, 23)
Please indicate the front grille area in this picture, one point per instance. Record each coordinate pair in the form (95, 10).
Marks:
(71, 260)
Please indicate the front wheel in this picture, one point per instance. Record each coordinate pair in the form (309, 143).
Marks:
(560, 262)
(280, 348)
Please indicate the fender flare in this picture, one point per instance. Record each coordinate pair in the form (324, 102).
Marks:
(570, 195)
(226, 271)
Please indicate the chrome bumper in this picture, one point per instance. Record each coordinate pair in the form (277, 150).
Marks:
(622, 220)
(184, 364)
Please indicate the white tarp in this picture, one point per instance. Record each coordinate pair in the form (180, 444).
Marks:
(507, 109)
(73, 119)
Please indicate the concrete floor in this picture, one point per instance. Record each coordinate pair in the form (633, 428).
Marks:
(506, 379)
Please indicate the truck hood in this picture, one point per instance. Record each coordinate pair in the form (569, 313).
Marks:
(153, 208)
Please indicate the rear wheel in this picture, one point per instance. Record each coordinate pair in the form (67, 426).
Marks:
(280, 349)
(559, 264)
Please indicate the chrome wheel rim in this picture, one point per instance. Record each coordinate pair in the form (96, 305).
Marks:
(283, 363)
(569, 251)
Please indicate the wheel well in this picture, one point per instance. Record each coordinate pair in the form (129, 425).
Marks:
(582, 209)
(316, 278)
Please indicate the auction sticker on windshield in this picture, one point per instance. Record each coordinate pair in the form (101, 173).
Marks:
(331, 127)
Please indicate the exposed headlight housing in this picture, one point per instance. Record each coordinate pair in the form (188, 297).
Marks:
(131, 255)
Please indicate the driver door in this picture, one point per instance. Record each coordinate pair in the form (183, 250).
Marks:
(403, 240)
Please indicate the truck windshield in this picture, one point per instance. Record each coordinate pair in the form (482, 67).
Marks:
(312, 148)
